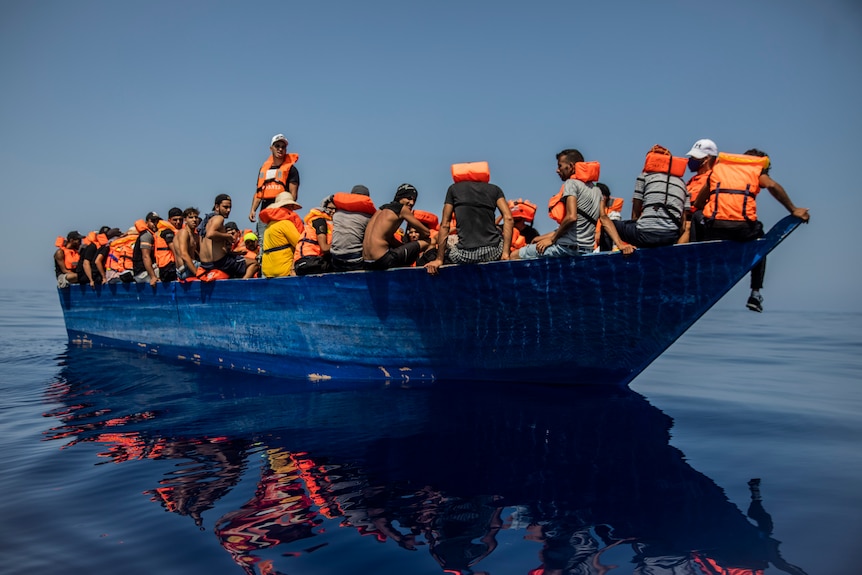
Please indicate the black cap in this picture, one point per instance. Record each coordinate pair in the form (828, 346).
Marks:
(153, 217)
(361, 190)
(408, 191)
(231, 226)
(74, 235)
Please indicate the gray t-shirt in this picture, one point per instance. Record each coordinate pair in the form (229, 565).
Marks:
(582, 235)
(348, 231)
(658, 191)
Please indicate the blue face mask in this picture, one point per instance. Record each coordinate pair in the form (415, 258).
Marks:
(694, 164)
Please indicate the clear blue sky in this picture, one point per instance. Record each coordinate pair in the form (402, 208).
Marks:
(111, 109)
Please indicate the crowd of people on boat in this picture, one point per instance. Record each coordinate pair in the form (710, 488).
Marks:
(348, 232)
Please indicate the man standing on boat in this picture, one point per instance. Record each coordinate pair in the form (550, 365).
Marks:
(380, 249)
(216, 243)
(277, 174)
(729, 206)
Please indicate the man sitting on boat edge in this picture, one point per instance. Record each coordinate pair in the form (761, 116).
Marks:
(576, 208)
(380, 249)
(216, 242)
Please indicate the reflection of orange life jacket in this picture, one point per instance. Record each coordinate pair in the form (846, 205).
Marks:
(585, 172)
(710, 566)
(471, 172)
(163, 254)
(734, 186)
(308, 245)
(120, 253)
(695, 185)
(272, 181)
(70, 256)
(353, 203)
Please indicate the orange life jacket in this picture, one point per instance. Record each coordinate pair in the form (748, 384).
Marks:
(163, 254)
(272, 181)
(120, 253)
(352, 203)
(665, 164)
(212, 275)
(518, 241)
(471, 172)
(695, 185)
(430, 220)
(95, 238)
(70, 256)
(307, 245)
(268, 215)
(585, 172)
(733, 187)
(524, 209)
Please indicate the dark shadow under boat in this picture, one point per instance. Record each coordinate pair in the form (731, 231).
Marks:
(581, 471)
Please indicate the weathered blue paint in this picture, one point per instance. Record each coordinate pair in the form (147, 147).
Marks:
(596, 319)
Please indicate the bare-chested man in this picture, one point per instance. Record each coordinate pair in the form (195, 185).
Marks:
(380, 249)
(216, 242)
(187, 244)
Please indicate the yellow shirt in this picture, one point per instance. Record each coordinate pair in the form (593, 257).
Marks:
(279, 262)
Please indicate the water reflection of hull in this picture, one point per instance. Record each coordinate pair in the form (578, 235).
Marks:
(441, 465)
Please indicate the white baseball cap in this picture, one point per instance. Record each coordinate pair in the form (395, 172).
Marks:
(278, 137)
(702, 149)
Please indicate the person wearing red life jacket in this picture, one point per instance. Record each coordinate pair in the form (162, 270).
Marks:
(66, 258)
(729, 206)
(91, 268)
(577, 208)
(380, 249)
(277, 174)
(475, 202)
(660, 205)
(701, 159)
(312, 252)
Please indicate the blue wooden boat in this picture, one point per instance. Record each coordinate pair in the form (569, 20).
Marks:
(596, 319)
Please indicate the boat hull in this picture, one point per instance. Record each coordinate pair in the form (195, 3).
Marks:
(597, 319)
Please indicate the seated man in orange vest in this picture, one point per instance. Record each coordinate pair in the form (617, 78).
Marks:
(380, 249)
(66, 259)
(577, 208)
(729, 206)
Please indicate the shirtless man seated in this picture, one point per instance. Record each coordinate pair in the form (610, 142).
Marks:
(216, 242)
(380, 249)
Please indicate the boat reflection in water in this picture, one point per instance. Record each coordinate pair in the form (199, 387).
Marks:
(440, 468)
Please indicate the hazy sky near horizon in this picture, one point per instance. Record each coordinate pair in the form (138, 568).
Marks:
(112, 109)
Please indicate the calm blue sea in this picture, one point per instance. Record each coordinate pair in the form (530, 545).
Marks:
(118, 463)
